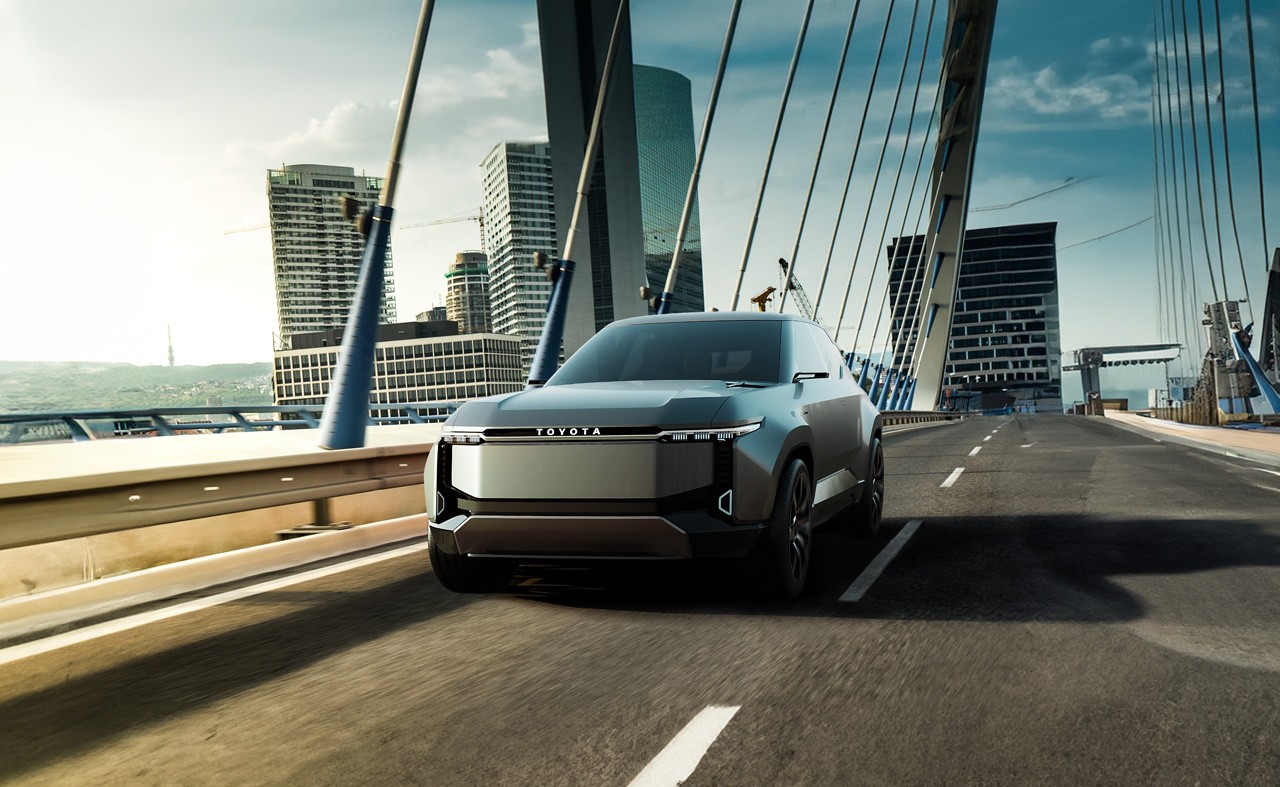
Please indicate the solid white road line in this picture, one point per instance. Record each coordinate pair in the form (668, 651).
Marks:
(951, 479)
(676, 763)
(975, 451)
(76, 636)
(872, 572)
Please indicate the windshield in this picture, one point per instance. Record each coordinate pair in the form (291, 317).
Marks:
(732, 350)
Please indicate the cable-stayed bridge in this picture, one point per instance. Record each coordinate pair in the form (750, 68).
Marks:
(1052, 599)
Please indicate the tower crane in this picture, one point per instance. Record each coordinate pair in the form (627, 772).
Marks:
(762, 300)
(475, 214)
(802, 298)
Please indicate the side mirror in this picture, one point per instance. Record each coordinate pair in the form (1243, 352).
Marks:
(800, 376)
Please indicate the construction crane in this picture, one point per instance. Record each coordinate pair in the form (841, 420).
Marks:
(762, 300)
(245, 229)
(475, 214)
(802, 298)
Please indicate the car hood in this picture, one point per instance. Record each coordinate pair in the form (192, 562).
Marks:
(664, 403)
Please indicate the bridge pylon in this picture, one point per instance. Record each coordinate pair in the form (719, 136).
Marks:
(965, 55)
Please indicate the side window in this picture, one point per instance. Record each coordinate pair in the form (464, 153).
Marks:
(830, 352)
(806, 356)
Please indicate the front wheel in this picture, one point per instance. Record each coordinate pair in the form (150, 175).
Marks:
(862, 519)
(463, 574)
(779, 564)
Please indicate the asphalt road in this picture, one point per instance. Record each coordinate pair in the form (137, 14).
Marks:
(1080, 605)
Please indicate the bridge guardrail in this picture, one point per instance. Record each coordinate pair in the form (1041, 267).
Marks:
(84, 425)
(36, 511)
(901, 417)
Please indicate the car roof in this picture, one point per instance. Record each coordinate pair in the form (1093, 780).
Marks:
(736, 316)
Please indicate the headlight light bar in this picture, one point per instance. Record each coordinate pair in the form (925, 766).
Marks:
(708, 435)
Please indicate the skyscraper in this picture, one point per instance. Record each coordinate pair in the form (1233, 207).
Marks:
(609, 250)
(520, 220)
(467, 292)
(317, 252)
(1005, 347)
(665, 148)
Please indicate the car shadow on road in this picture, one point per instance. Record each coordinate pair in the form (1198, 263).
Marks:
(1047, 568)
(92, 709)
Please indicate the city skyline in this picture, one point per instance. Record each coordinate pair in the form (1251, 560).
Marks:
(1071, 102)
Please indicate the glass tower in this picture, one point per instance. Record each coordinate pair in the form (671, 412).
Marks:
(664, 144)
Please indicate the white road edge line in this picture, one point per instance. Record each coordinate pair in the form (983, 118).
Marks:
(873, 570)
(951, 479)
(1265, 470)
(678, 760)
(975, 451)
(76, 636)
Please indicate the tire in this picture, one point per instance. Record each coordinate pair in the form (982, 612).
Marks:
(463, 574)
(778, 566)
(862, 519)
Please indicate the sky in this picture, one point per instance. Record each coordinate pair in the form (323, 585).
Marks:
(137, 132)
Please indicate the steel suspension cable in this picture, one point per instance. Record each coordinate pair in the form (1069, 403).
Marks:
(879, 160)
(692, 193)
(1193, 294)
(844, 194)
(1178, 152)
(1208, 132)
(1226, 154)
(1180, 293)
(1195, 149)
(888, 133)
(1178, 286)
(817, 161)
(902, 227)
(1257, 136)
(773, 144)
(1157, 152)
(884, 230)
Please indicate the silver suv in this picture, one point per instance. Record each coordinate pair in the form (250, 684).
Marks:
(710, 435)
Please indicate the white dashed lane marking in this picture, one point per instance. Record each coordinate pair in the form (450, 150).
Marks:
(873, 570)
(951, 479)
(678, 760)
(985, 439)
(975, 451)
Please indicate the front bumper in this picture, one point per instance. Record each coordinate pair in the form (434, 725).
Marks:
(644, 537)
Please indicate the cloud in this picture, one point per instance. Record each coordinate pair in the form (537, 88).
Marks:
(1108, 98)
(360, 132)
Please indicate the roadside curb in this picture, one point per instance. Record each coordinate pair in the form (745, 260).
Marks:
(26, 615)
(1185, 440)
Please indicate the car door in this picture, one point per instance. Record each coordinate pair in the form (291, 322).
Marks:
(823, 404)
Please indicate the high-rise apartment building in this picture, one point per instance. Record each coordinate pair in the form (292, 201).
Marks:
(665, 149)
(520, 220)
(317, 252)
(609, 251)
(467, 292)
(1005, 348)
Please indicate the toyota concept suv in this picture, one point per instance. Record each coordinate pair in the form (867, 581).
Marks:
(709, 435)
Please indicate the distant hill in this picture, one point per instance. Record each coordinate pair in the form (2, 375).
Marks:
(33, 386)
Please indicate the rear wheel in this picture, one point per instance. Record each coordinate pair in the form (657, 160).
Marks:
(463, 574)
(779, 564)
